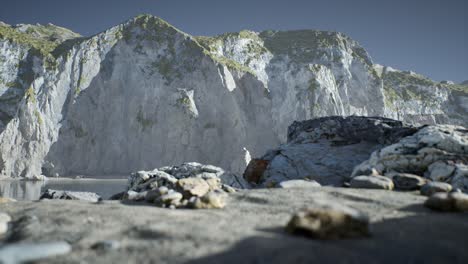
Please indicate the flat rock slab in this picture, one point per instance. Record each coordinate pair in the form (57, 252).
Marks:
(69, 195)
(372, 182)
(250, 229)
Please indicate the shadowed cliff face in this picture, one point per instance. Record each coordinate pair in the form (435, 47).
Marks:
(144, 94)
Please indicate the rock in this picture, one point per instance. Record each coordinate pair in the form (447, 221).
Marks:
(193, 186)
(26, 252)
(213, 183)
(211, 200)
(460, 177)
(325, 149)
(372, 182)
(440, 171)
(4, 220)
(298, 184)
(329, 221)
(435, 187)
(408, 182)
(106, 245)
(439, 152)
(69, 195)
(171, 198)
(255, 169)
(135, 196)
(6, 200)
(228, 188)
(450, 202)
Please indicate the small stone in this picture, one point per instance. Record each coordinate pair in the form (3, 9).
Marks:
(329, 221)
(408, 182)
(193, 186)
(372, 182)
(106, 245)
(69, 195)
(448, 202)
(212, 200)
(228, 188)
(152, 195)
(27, 252)
(435, 187)
(298, 184)
(171, 198)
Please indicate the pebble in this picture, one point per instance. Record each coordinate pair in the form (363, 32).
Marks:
(408, 182)
(26, 252)
(106, 245)
(228, 189)
(329, 221)
(435, 187)
(448, 202)
(372, 182)
(298, 184)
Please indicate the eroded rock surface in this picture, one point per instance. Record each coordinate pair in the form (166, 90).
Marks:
(325, 149)
(439, 153)
(190, 185)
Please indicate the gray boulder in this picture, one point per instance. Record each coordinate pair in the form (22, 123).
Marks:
(325, 149)
(435, 187)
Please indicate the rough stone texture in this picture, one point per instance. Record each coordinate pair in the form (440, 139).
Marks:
(143, 94)
(298, 184)
(408, 182)
(452, 202)
(435, 187)
(253, 219)
(329, 221)
(372, 182)
(190, 185)
(69, 195)
(438, 152)
(325, 149)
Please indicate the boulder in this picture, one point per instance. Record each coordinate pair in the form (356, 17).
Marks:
(329, 221)
(439, 152)
(408, 182)
(69, 195)
(372, 182)
(325, 149)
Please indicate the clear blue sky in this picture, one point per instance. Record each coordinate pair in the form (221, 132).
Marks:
(426, 36)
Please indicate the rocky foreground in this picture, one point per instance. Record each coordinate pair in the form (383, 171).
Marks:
(250, 229)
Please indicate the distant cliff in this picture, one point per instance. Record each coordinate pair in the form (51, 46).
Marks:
(143, 94)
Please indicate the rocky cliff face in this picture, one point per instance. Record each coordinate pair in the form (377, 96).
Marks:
(144, 94)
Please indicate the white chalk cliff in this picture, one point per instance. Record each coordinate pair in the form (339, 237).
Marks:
(143, 95)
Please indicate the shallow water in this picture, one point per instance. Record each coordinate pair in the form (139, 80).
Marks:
(31, 190)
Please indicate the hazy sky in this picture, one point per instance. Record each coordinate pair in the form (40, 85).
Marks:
(427, 36)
